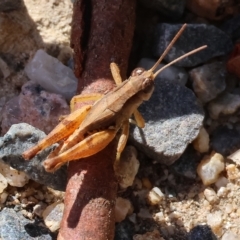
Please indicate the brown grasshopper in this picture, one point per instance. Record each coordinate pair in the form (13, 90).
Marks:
(88, 130)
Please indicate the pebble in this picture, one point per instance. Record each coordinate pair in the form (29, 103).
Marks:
(194, 35)
(201, 232)
(208, 80)
(14, 177)
(123, 207)
(222, 192)
(214, 220)
(127, 168)
(221, 182)
(228, 235)
(21, 137)
(225, 140)
(51, 74)
(34, 106)
(170, 125)
(232, 172)
(52, 216)
(3, 197)
(201, 143)
(146, 183)
(39, 208)
(225, 104)
(210, 168)
(210, 195)
(155, 196)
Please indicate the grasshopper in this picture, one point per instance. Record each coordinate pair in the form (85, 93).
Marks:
(88, 130)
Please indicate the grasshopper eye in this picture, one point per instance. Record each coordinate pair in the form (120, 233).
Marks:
(137, 72)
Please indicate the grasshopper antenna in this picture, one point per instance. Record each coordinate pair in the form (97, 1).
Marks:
(168, 47)
(179, 58)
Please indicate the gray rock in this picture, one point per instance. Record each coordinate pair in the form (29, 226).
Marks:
(169, 8)
(208, 80)
(21, 137)
(10, 5)
(173, 120)
(172, 73)
(13, 226)
(194, 36)
(225, 141)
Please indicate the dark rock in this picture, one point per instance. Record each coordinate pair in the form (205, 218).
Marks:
(10, 5)
(21, 137)
(209, 80)
(194, 36)
(124, 230)
(232, 27)
(187, 164)
(173, 120)
(201, 232)
(225, 141)
(14, 226)
(169, 8)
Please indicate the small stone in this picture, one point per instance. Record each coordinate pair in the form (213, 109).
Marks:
(3, 197)
(222, 192)
(127, 168)
(51, 74)
(39, 208)
(154, 235)
(201, 143)
(210, 195)
(225, 104)
(52, 216)
(208, 80)
(123, 207)
(3, 183)
(214, 220)
(146, 183)
(144, 213)
(14, 177)
(201, 232)
(232, 172)
(159, 217)
(210, 168)
(235, 157)
(228, 235)
(225, 140)
(221, 182)
(155, 196)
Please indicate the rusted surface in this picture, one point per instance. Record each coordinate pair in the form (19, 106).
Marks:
(102, 33)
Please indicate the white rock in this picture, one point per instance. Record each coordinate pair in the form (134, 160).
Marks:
(210, 195)
(222, 192)
(3, 183)
(3, 197)
(210, 168)
(221, 182)
(127, 168)
(51, 74)
(52, 216)
(201, 143)
(123, 207)
(214, 220)
(230, 236)
(14, 177)
(155, 196)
